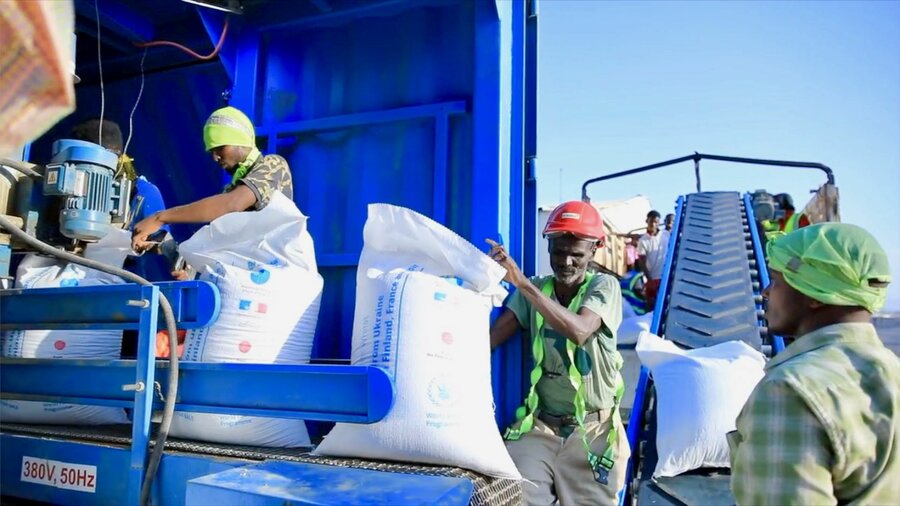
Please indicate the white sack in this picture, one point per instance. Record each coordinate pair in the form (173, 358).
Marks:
(423, 302)
(631, 328)
(37, 271)
(264, 265)
(700, 393)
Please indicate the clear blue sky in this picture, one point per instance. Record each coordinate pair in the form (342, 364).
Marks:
(625, 84)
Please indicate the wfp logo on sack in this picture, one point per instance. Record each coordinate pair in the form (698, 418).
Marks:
(440, 393)
(68, 282)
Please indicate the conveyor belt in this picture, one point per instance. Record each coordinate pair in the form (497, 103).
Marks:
(488, 491)
(711, 291)
(713, 296)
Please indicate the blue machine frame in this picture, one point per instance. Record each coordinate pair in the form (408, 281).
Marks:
(311, 392)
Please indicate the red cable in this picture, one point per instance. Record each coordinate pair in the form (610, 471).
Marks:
(187, 50)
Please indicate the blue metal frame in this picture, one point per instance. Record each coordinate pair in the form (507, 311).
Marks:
(761, 265)
(333, 393)
(516, 241)
(640, 393)
(276, 483)
(312, 392)
(195, 304)
(529, 215)
(113, 307)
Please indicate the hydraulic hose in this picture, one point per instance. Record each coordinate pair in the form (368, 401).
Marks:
(172, 390)
(23, 167)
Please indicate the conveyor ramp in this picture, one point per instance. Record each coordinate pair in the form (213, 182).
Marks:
(710, 294)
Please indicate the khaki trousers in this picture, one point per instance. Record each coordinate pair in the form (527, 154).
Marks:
(558, 468)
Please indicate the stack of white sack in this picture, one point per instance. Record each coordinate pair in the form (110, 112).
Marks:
(423, 302)
(700, 393)
(265, 268)
(36, 271)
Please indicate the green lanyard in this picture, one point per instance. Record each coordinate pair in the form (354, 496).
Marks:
(525, 414)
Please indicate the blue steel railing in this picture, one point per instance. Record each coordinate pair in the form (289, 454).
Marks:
(761, 266)
(640, 393)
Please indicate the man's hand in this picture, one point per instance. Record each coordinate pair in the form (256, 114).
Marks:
(514, 275)
(144, 229)
(180, 275)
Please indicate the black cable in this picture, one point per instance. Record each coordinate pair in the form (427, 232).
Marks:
(168, 314)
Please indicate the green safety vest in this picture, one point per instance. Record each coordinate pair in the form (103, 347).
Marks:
(525, 414)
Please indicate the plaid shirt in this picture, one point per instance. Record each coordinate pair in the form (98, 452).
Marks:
(823, 425)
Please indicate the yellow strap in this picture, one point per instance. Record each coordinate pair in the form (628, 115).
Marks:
(525, 414)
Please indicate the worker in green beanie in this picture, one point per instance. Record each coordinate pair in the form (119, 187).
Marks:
(230, 138)
(823, 425)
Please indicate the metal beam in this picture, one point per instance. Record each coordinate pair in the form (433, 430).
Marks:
(195, 304)
(276, 20)
(332, 393)
(365, 118)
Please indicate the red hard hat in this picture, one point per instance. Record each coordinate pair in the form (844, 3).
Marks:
(577, 218)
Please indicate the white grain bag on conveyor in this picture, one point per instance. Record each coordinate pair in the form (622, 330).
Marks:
(37, 271)
(700, 393)
(423, 302)
(264, 265)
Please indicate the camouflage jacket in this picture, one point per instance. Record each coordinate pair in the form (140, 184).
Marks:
(268, 174)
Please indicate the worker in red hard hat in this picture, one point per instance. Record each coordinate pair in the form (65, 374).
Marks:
(568, 440)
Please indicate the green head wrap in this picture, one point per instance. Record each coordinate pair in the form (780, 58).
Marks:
(834, 263)
(228, 127)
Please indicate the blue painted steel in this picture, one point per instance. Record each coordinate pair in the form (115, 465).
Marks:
(273, 21)
(761, 265)
(143, 382)
(441, 157)
(335, 393)
(277, 483)
(177, 469)
(532, 239)
(517, 132)
(214, 23)
(125, 21)
(636, 421)
(195, 304)
(108, 487)
(169, 487)
(367, 118)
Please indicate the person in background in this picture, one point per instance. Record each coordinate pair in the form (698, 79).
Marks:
(823, 424)
(569, 318)
(631, 254)
(230, 138)
(146, 199)
(652, 256)
(669, 222)
(791, 220)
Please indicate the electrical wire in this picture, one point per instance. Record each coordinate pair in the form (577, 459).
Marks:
(168, 315)
(188, 50)
(133, 109)
(100, 67)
